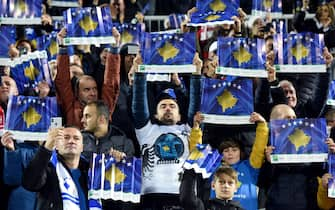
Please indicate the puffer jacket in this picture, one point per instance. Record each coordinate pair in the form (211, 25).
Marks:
(115, 138)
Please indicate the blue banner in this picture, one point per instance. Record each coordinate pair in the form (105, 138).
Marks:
(21, 8)
(115, 180)
(264, 6)
(231, 96)
(204, 160)
(48, 43)
(211, 12)
(29, 70)
(168, 49)
(228, 101)
(88, 25)
(241, 53)
(29, 115)
(331, 94)
(299, 136)
(299, 53)
(130, 33)
(331, 170)
(7, 37)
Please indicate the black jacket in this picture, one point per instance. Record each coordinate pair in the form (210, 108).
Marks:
(190, 201)
(115, 138)
(40, 176)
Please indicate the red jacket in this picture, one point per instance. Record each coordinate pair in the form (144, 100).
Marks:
(71, 107)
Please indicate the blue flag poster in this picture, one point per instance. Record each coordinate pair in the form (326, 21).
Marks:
(130, 33)
(241, 57)
(89, 25)
(298, 140)
(331, 170)
(168, 53)
(204, 160)
(214, 12)
(48, 43)
(7, 37)
(115, 180)
(299, 53)
(20, 12)
(28, 70)
(228, 101)
(29, 117)
(331, 94)
(262, 7)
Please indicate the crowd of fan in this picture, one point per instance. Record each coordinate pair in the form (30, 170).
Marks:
(119, 113)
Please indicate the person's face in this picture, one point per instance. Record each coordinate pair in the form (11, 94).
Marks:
(88, 90)
(7, 88)
(24, 45)
(90, 118)
(324, 11)
(103, 56)
(210, 65)
(258, 25)
(71, 144)
(128, 62)
(168, 112)
(290, 94)
(224, 187)
(231, 155)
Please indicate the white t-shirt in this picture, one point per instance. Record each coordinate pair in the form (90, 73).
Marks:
(164, 150)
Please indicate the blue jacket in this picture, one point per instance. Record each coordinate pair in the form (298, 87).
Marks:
(14, 164)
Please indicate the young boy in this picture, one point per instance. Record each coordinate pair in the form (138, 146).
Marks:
(224, 184)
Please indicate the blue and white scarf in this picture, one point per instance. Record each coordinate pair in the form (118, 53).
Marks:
(67, 186)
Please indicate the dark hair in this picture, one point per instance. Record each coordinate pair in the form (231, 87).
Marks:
(229, 142)
(102, 108)
(229, 171)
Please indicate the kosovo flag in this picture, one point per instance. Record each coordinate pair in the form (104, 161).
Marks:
(204, 160)
(123, 179)
(331, 94)
(224, 100)
(90, 25)
(29, 70)
(261, 7)
(64, 3)
(167, 53)
(30, 34)
(298, 140)
(331, 170)
(29, 117)
(213, 12)
(130, 33)
(7, 37)
(48, 42)
(241, 57)
(300, 53)
(21, 8)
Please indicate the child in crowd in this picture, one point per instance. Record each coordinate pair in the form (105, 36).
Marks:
(225, 183)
